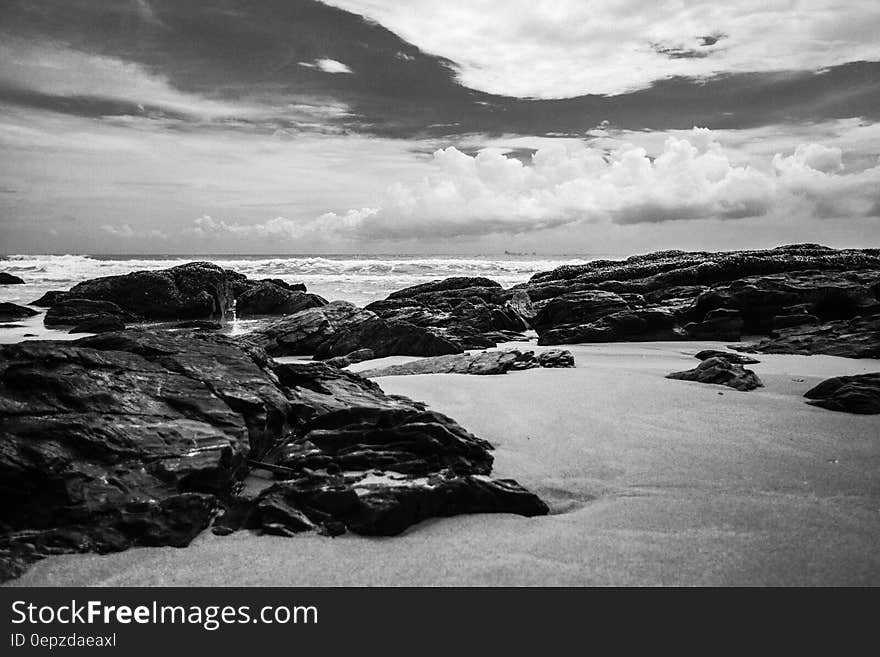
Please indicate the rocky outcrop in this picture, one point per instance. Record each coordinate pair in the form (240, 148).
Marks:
(719, 370)
(472, 312)
(142, 437)
(49, 299)
(739, 359)
(721, 324)
(10, 312)
(10, 279)
(849, 394)
(196, 290)
(75, 311)
(854, 338)
(483, 363)
(705, 296)
(340, 328)
(624, 326)
(270, 298)
(99, 324)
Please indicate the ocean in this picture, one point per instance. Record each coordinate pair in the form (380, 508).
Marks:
(358, 279)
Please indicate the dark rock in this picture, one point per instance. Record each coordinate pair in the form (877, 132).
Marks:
(9, 312)
(269, 298)
(354, 357)
(49, 299)
(720, 371)
(386, 337)
(76, 311)
(623, 326)
(141, 438)
(241, 283)
(99, 324)
(850, 394)
(191, 291)
(854, 338)
(340, 328)
(486, 363)
(9, 279)
(577, 309)
(200, 324)
(788, 321)
(739, 359)
(721, 324)
(445, 285)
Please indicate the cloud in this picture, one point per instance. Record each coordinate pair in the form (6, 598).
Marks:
(573, 183)
(568, 48)
(125, 231)
(327, 65)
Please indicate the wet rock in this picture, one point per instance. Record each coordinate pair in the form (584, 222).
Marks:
(191, 291)
(76, 311)
(740, 359)
(722, 324)
(49, 299)
(99, 324)
(9, 279)
(200, 324)
(141, 437)
(340, 328)
(719, 370)
(483, 363)
(624, 326)
(9, 312)
(855, 338)
(849, 394)
(455, 283)
(354, 357)
(788, 321)
(578, 308)
(269, 298)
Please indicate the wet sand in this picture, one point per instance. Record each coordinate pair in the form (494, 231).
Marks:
(650, 481)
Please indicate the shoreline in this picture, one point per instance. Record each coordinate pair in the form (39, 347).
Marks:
(650, 481)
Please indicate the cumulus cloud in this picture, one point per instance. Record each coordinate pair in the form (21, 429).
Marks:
(125, 231)
(567, 48)
(574, 183)
(327, 65)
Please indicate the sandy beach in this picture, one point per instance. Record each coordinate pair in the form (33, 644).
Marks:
(650, 482)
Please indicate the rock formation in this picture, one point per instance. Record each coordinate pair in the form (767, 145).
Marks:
(850, 394)
(719, 370)
(486, 363)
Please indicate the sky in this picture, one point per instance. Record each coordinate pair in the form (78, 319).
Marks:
(463, 126)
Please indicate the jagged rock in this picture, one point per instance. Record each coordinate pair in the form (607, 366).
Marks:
(75, 311)
(578, 308)
(9, 279)
(739, 359)
(354, 357)
(720, 371)
(241, 283)
(99, 324)
(721, 324)
(445, 285)
(386, 337)
(49, 299)
(788, 321)
(623, 326)
(854, 338)
(471, 312)
(200, 324)
(486, 363)
(9, 312)
(269, 298)
(340, 328)
(850, 394)
(191, 291)
(140, 437)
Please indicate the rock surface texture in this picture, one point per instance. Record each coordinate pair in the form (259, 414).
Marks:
(804, 298)
(9, 279)
(143, 438)
(340, 328)
(9, 312)
(719, 370)
(470, 312)
(486, 362)
(850, 394)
